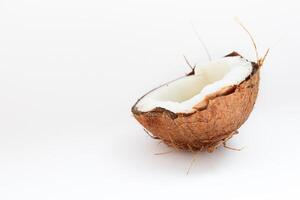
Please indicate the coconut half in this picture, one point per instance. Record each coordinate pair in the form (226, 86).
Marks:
(203, 109)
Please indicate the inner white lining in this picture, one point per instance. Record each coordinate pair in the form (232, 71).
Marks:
(182, 95)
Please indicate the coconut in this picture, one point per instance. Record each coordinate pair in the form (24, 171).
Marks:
(203, 109)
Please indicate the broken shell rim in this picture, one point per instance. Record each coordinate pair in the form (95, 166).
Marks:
(173, 115)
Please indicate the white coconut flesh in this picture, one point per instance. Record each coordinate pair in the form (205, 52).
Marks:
(182, 95)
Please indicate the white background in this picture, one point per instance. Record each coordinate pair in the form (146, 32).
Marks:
(70, 70)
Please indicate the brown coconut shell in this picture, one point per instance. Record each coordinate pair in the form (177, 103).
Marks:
(215, 120)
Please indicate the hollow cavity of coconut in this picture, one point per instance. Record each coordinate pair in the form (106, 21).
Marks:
(203, 109)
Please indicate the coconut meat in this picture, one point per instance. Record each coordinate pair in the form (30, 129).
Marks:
(182, 95)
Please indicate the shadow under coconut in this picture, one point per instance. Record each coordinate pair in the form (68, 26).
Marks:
(156, 157)
(196, 162)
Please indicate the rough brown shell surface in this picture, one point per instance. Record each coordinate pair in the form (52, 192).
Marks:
(206, 128)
